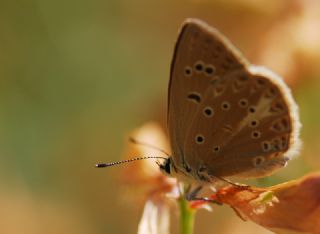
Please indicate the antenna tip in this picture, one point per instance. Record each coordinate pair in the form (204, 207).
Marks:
(98, 165)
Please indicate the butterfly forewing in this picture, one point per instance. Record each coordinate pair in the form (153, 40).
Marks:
(226, 117)
(202, 57)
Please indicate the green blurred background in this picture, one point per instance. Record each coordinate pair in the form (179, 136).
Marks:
(77, 76)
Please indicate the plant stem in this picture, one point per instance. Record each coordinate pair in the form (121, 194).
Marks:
(186, 216)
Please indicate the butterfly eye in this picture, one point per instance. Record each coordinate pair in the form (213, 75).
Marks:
(167, 167)
(199, 139)
(257, 161)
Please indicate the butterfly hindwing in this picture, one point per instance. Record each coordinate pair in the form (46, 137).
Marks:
(252, 126)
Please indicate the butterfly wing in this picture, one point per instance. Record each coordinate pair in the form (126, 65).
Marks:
(201, 57)
(251, 129)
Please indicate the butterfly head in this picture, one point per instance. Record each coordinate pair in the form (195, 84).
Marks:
(167, 167)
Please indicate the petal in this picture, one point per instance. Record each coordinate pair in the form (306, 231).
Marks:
(155, 218)
(289, 207)
(143, 179)
(144, 171)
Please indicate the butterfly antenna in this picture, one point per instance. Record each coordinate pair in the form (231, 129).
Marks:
(128, 161)
(147, 145)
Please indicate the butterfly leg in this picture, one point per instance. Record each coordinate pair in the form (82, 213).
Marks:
(208, 200)
(242, 186)
(239, 214)
(191, 195)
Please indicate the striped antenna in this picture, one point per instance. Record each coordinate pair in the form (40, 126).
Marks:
(128, 161)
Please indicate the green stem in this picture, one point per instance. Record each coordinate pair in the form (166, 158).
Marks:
(186, 216)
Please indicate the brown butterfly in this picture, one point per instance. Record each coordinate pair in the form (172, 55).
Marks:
(226, 117)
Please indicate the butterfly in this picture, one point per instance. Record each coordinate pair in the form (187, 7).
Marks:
(226, 117)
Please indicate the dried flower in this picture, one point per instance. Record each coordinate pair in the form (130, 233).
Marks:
(293, 206)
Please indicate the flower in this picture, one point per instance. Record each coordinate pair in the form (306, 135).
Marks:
(147, 182)
(293, 206)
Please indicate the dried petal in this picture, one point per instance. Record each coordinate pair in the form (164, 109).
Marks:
(289, 207)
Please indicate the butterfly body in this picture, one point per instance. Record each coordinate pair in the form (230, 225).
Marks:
(226, 117)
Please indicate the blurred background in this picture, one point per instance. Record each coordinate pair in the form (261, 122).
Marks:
(77, 76)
